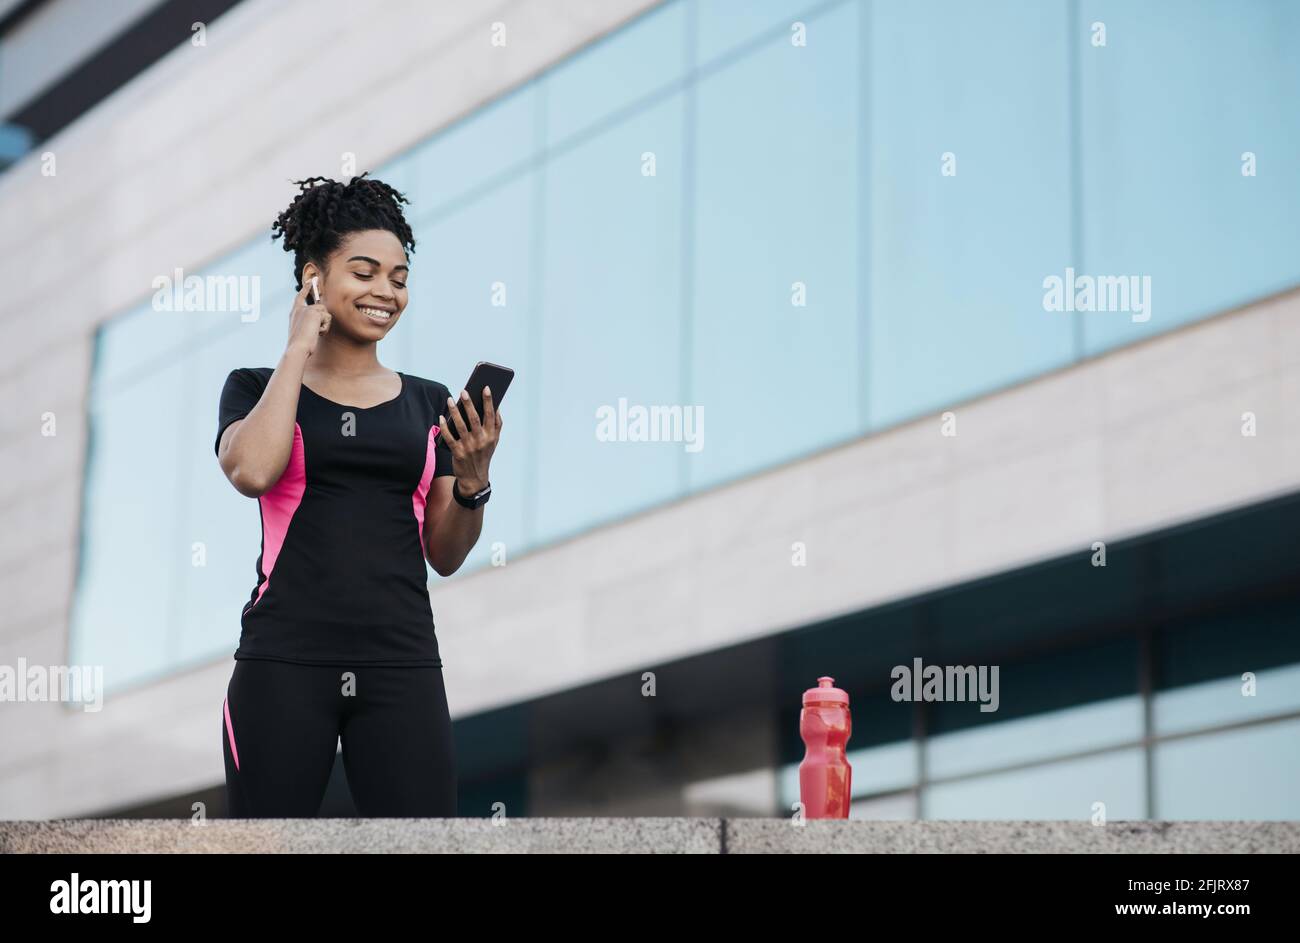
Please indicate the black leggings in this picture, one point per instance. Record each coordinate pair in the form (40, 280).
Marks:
(281, 724)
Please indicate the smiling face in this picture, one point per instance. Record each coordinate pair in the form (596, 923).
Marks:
(364, 286)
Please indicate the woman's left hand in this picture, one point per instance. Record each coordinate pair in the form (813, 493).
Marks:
(472, 453)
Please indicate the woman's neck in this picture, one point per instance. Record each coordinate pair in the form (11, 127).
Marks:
(342, 359)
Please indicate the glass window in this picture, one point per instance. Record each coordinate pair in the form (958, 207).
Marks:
(900, 806)
(1202, 663)
(883, 768)
(615, 71)
(499, 139)
(130, 346)
(611, 324)
(774, 346)
(1226, 700)
(1065, 790)
(1074, 729)
(133, 545)
(723, 25)
(254, 281)
(958, 261)
(1178, 94)
(1240, 774)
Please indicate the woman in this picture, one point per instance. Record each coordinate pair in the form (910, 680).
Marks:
(358, 484)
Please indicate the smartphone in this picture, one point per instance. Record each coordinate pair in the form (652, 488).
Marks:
(484, 374)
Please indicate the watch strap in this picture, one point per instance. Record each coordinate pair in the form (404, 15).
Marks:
(473, 501)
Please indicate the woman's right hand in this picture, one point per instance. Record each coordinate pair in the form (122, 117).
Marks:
(307, 322)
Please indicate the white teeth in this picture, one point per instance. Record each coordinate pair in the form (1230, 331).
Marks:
(375, 313)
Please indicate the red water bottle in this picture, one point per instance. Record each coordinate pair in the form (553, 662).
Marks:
(825, 776)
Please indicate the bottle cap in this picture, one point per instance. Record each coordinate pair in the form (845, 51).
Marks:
(826, 691)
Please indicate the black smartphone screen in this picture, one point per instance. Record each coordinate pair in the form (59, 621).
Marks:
(484, 374)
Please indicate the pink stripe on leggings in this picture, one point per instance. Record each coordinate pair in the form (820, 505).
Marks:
(230, 732)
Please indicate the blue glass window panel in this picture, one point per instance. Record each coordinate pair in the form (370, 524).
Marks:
(138, 343)
(132, 550)
(724, 25)
(1025, 739)
(261, 258)
(776, 203)
(615, 71)
(1181, 89)
(897, 807)
(258, 277)
(502, 136)
(883, 768)
(610, 327)
(1065, 790)
(1221, 701)
(1248, 774)
(958, 262)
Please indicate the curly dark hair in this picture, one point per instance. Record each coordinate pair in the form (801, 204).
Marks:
(326, 210)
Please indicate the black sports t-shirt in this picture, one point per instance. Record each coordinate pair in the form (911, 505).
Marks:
(341, 575)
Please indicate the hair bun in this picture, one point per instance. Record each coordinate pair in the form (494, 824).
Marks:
(325, 210)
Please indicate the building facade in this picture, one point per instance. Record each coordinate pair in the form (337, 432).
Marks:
(991, 310)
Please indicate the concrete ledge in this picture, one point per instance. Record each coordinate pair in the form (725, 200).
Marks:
(327, 836)
(639, 835)
(760, 836)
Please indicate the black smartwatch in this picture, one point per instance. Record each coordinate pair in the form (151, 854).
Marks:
(476, 501)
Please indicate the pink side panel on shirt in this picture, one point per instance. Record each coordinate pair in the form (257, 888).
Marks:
(421, 494)
(278, 507)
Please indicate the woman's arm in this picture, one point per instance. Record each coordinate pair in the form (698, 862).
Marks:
(255, 450)
(451, 530)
